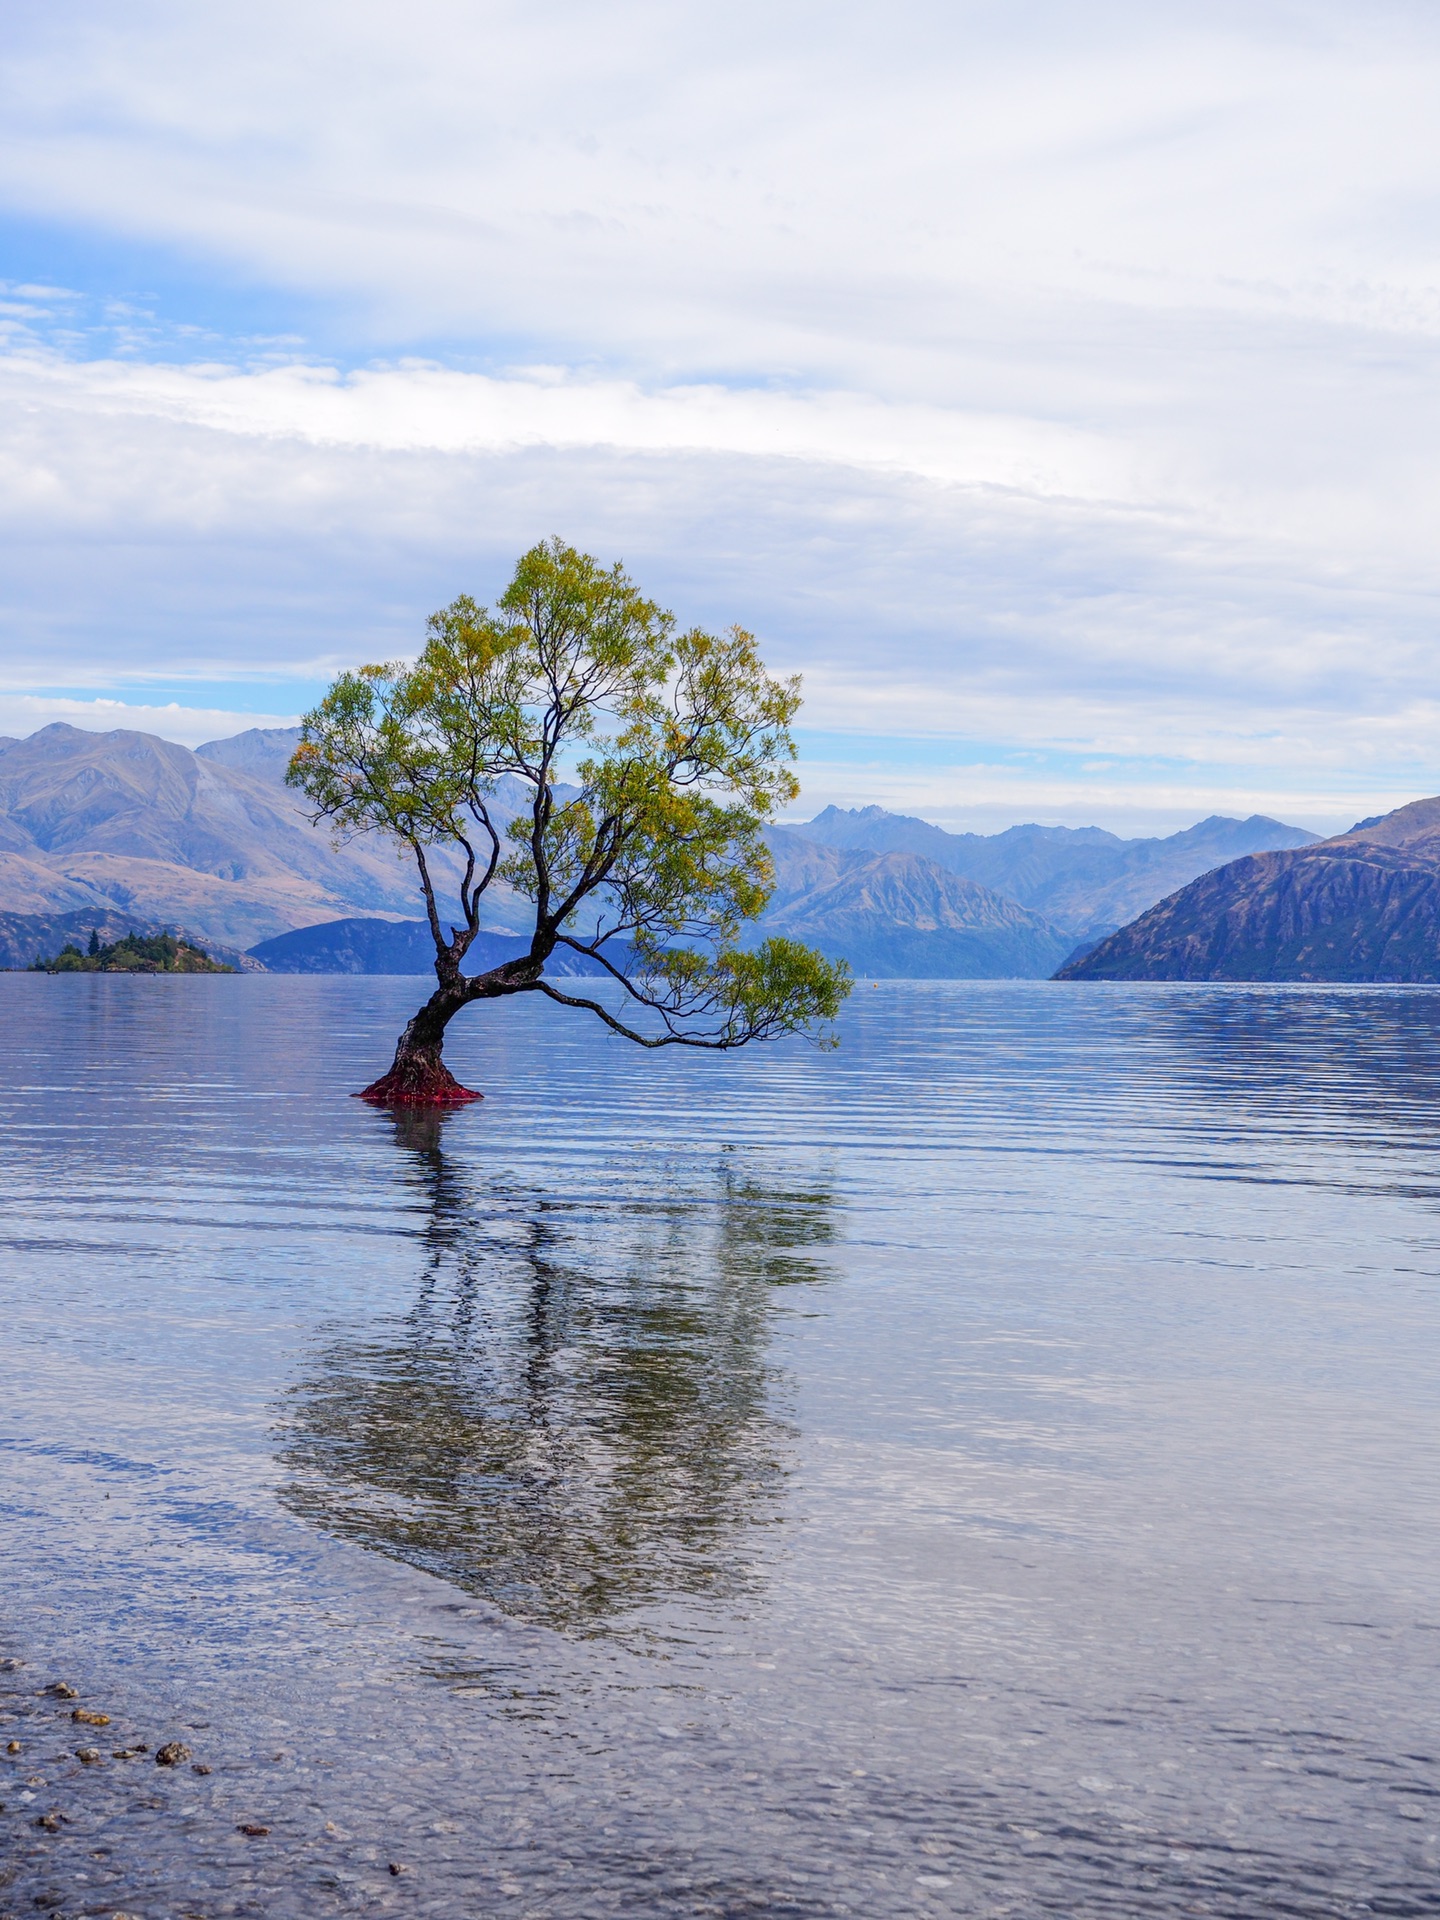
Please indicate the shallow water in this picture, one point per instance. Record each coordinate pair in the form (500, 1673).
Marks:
(991, 1469)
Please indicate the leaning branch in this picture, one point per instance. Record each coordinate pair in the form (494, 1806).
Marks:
(641, 1039)
(593, 952)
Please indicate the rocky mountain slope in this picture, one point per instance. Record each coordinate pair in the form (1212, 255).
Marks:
(1364, 905)
(262, 752)
(126, 825)
(1082, 879)
(896, 915)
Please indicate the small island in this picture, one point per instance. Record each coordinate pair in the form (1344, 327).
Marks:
(134, 953)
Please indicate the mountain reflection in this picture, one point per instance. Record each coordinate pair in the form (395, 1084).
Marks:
(576, 1417)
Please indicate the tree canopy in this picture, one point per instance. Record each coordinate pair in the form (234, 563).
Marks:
(650, 759)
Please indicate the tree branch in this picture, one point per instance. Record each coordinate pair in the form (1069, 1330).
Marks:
(629, 1033)
(441, 947)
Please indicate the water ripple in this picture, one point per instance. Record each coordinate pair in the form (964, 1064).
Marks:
(989, 1470)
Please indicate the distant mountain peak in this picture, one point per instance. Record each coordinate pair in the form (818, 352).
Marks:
(832, 812)
(262, 752)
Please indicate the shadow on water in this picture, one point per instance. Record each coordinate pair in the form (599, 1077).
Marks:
(577, 1417)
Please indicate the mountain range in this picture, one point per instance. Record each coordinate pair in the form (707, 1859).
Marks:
(126, 830)
(897, 914)
(887, 914)
(127, 823)
(1363, 905)
(122, 830)
(1082, 879)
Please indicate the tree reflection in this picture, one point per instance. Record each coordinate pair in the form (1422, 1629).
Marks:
(577, 1417)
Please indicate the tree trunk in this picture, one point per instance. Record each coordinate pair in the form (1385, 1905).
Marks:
(418, 1077)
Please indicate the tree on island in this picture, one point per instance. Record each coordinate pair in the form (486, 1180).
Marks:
(134, 953)
(680, 748)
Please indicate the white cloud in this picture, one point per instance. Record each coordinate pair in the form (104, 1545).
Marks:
(208, 525)
(775, 189)
(428, 408)
(1059, 379)
(22, 714)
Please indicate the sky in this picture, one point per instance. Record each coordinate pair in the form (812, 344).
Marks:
(1054, 388)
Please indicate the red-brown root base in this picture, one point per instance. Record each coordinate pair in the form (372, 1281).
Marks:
(418, 1084)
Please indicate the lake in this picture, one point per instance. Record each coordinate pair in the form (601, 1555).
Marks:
(992, 1469)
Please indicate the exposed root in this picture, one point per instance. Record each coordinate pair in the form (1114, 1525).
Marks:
(418, 1082)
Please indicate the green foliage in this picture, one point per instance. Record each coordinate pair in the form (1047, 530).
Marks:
(134, 953)
(776, 988)
(680, 746)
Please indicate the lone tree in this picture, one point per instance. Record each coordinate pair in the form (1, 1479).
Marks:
(650, 762)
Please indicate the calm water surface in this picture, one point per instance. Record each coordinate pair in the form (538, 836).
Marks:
(992, 1469)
